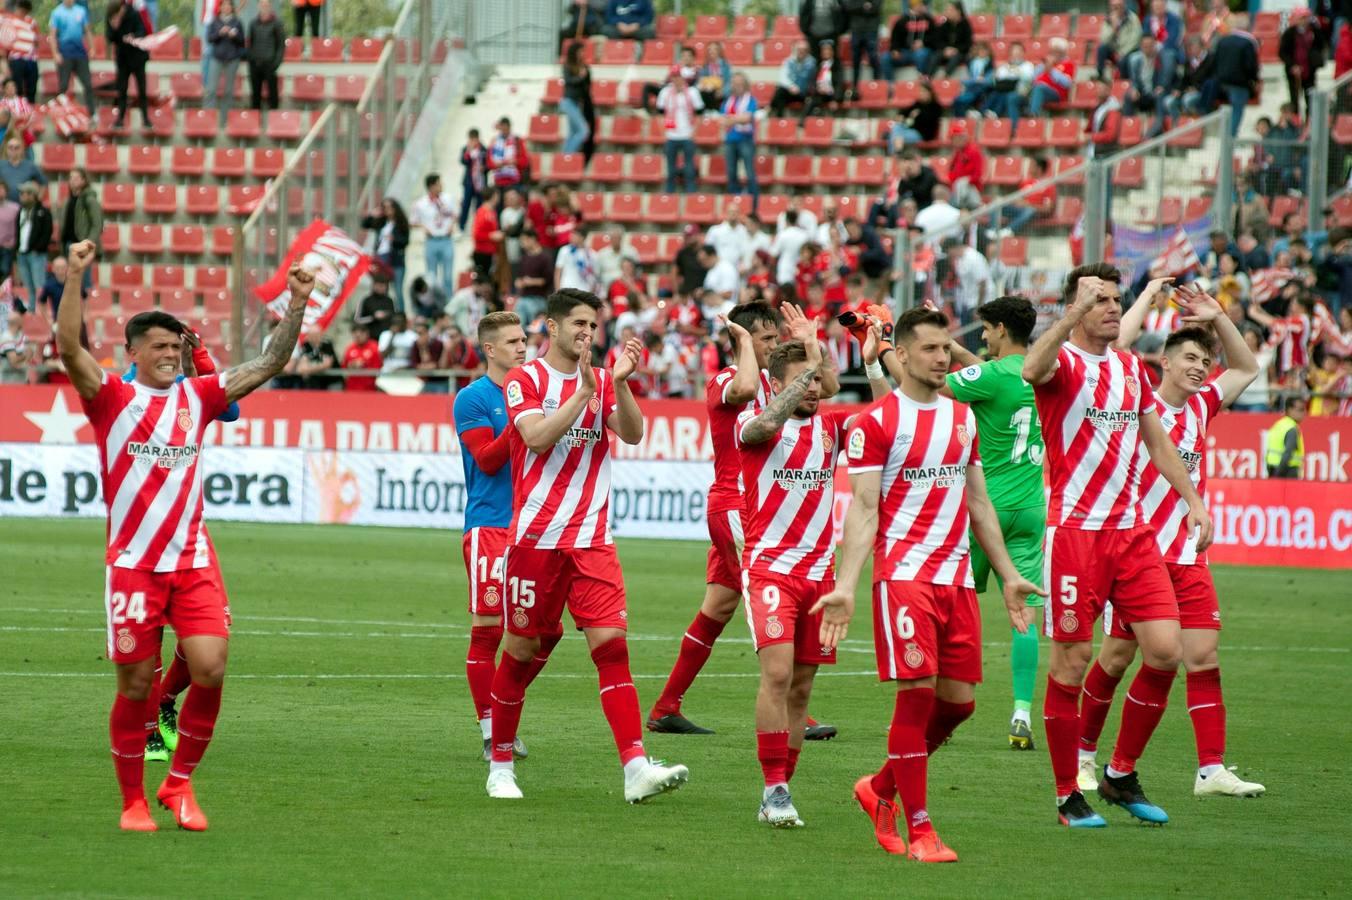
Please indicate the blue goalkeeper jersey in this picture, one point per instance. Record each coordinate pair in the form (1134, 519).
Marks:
(481, 405)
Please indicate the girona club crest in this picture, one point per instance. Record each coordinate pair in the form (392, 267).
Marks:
(963, 437)
(774, 629)
(913, 657)
(126, 641)
(594, 404)
(491, 597)
(184, 420)
(520, 619)
(1130, 387)
(828, 442)
(1069, 621)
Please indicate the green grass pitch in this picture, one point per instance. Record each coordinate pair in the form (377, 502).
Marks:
(346, 760)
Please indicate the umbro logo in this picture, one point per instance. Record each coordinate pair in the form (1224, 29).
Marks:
(1091, 380)
(905, 438)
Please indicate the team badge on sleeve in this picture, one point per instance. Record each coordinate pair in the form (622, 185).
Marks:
(856, 447)
(971, 373)
(514, 397)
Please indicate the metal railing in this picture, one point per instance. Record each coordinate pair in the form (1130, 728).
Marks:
(341, 167)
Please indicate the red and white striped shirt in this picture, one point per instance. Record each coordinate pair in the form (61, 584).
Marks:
(1292, 336)
(1090, 411)
(1166, 510)
(790, 492)
(150, 444)
(1165, 321)
(561, 499)
(923, 451)
(726, 491)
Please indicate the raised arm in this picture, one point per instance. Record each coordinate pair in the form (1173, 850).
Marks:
(540, 432)
(986, 528)
(627, 421)
(742, 389)
(877, 377)
(801, 328)
(242, 380)
(84, 371)
(1241, 365)
(1040, 363)
(1165, 456)
(1134, 320)
(767, 424)
(861, 526)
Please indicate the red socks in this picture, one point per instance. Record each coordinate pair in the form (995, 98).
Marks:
(547, 644)
(696, 646)
(619, 698)
(1061, 718)
(791, 762)
(127, 733)
(177, 679)
(1146, 699)
(772, 749)
(944, 719)
(508, 694)
(196, 722)
(1096, 698)
(480, 663)
(1207, 709)
(908, 758)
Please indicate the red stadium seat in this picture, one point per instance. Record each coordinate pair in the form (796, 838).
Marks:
(786, 27)
(228, 162)
(592, 204)
(222, 236)
(110, 239)
(1170, 212)
(365, 49)
(348, 88)
(797, 171)
(715, 172)
(608, 168)
(147, 240)
(104, 124)
(163, 124)
(700, 209)
(177, 302)
(647, 168)
(123, 276)
(283, 125)
(101, 159)
(308, 88)
(1017, 28)
(749, 28)
(1065, 134)
(544, 130)
(711, 28)
(187, 240)
(869, 171)
(244, 125)
(188, 162)
(211, 278)
(671, 26)
(946, 90)
(119, 198)
(243, 198)
(1197, 208)
(170, 50)
(995, 134)
(628, 131)
(1087, 26)
(1132, 129)
(1283, 206)
(618, 53)
(781, 133)
(1130, 173)
(328, 50)
(160, 200)
(626, 207)
(267, 162)
(1014, 251)
(658, 53)
(904, 93)
(1068, 212)
(145, 161)
(664, 209)
(765, 170)
(566, 167)
(740, 53)
(186, 86)
(203, 200)
(1031, 134)
(646, 245)
(775, 51)
(200, 124)
(605, 93)
(57, 157)
(1008, 171)
(162, 277)
(873, 95)
(983, 25)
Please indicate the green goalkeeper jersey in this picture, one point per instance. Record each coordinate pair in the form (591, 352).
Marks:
(1008, 430)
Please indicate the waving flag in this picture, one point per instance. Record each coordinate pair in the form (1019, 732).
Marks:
(1178, 258)
(338, 262)
(1267, 283)
(17, 37)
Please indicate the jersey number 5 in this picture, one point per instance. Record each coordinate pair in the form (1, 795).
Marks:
(133, 607)
(1070, 592)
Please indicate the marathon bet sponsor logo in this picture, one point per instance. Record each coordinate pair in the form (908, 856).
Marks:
(935, 476)
(580, 437)
(166, 457)
(802, 480)
(1111, 419)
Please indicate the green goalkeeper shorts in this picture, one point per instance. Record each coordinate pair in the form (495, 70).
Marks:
(1024, 531)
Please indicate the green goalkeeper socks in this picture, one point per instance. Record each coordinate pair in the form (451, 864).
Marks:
(1023, 662)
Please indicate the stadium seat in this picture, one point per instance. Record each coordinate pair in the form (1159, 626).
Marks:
(171, 277)
(608, 168)
(119, 198)
(228, 162)
(267, 162)
(1067, 163)
(188, 162)
(566, 167)
(708, 132)
(832, 171)
(710, 28)
(771, 205)
(200, 124)
(326, 50)
(1008, 171)
(664, 209)
(57, 157)
(739, 53)
(222, 236)
(244, 125)
(146, 240)
(715, 171)
(786, 27)
(628, 131)
(869, 171)
(658, 53)
(187, 240)
(626, 207)
(647, 168)
(818, 131)
(765, 170)
(905, 93)
(749, 28)
(671, 26)
(145, 161)
(605, 93)
(308, 88)
(946, 90)
(1130, 173)
(1082, 96)
(780, 133)
(775, 51)
(160, 200)
(1065, 134)
(365, 49)
(797, 171)
(1190, 140)
(1283, 206)
(592, 205)
(1049, 25)
(1170, 212)
(873, 95)
(983, 25)
(124, 276)
(217, 304)
(1087, 26)
(995, 134)
(1133, 127)
(700, 209)
(170, 50)
(1017, 28)
(283, 125)
(1014, 251)
(544, 130)
(110, 239)
(203, 200)
(1067, 213)
(186, 86)
(103, 124)
(163, 124)
(178, 302)
(1196, 208)
(348, 88)
(647, 246)
(618, 53)
(211, 278)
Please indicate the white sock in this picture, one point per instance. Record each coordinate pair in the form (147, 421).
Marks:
(634, 766)
(486, 726)
(1208, 771)
(1113, 773)
(770, 789)
(496, 766)
(1021, 715)
(1087, 754)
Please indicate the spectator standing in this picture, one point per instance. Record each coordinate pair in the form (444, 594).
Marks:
(914, 38)
(123, 28)
(1285, 456)
(70, 37)
(796, 76)
(362, 353)
(391, 227)
(972, 275)
(828, 84)
(730, 238)
(967, 169)
(679, 102)
(487, 234)
(474, 160)
(34, 234)
(739, 141)
(915, 180)
(1237, 72)
(508, 161)
(575, 266)
(9, 232)
(23, 61)
(1105, 123)
(919, 122)
(865, 18)
(822, 22)
(789, 240)
(307, 11)
(16, 167)
(267, 49)
(376, 309)
(1119, 36)
(715, 76)
(1054, 78)
(82, 218)
(631, 19)
(225, 37)
(435, 215)
(687, 268)
(1302, 50)
(940, 219)
(576, 97)
(955, 39)
(534, 278)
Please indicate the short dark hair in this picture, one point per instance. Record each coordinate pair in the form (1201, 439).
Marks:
(473, 132)
(909, 321)
(139, 324)
(709, 249)
(1199, 336)
(749, 315)
(431, 179)
(1015, 313)
(1291, 400)
(562, 302)
(785, 355)
(1106, 271)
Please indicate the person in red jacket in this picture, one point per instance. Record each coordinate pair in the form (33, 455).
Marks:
(362, 353)
(967, 170)
(1054, 78)
(487, 235)
(1342, 56)
(1105, 125)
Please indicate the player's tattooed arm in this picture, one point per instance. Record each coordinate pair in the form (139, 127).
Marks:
(244, 379)
(777, 411)
(1040, 363)
(84, 371)
(986, 528)
(1165, 456)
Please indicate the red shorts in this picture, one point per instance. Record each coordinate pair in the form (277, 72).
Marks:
(1198, 606)
(922, 630)
(777, 611)
(140, 603)
(1085, 570)
(540, 583)
(484, 549)
(725, 549)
